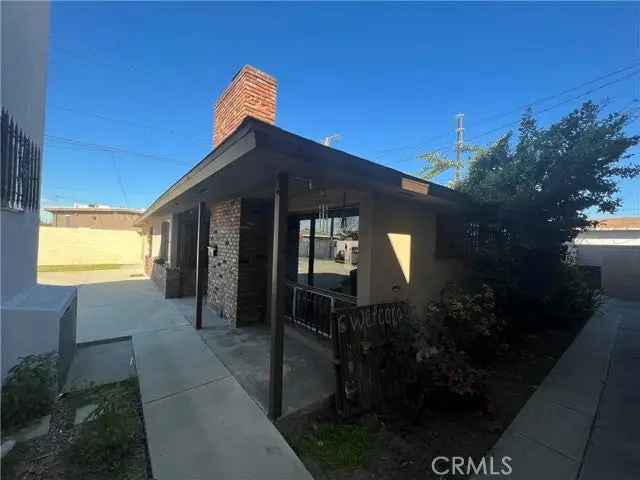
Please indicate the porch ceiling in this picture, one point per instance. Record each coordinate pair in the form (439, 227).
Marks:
(247, 163)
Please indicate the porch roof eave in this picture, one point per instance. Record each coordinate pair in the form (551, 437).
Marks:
(256, 151)
(236, 145)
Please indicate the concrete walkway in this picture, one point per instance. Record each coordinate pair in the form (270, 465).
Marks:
(613, 450)
(200, 423)
(589, 403)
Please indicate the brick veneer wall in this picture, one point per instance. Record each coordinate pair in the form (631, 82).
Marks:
(252, 93)
(224, 243)
(255, 226)
(238, 260)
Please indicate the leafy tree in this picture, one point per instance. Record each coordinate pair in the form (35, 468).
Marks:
(533, 195)
(436, 162)
(542, 186)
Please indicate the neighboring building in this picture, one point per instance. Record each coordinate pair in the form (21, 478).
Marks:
(221, 225)
(35, 318)
(95, 216)
(613, 245)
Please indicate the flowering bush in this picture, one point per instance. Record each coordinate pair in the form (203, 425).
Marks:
(471, 321)
(434, 350)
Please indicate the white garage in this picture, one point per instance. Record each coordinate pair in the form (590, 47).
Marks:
(614, 246)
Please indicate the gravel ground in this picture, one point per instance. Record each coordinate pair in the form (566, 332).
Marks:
(49, 457)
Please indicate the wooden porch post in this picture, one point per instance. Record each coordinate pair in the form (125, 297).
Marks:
(278, 268)
(312, 250)
(173, 240)
(331, 249)
(202, 257)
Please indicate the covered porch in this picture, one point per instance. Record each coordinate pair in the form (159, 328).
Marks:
(273, 228)
(308, 377)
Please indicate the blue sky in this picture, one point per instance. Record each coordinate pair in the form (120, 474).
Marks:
(389, 78)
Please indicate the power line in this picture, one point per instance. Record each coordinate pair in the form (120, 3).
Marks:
(510, 124)
(128, 122)
(577, 97)
(71, 142)
(55, 188)
(518, 109)
(564, 92)
(119, 178)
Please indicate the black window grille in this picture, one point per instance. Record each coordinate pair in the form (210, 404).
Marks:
(20, 167)
(450, 237)
(457, 237)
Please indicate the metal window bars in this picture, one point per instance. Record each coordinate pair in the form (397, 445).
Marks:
(20, 188)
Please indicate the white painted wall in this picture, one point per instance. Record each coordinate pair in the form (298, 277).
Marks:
(608, 237)
(25, 32)
(31, 314)
(617, 253)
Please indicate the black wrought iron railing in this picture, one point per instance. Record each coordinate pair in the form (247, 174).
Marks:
(311, 308)
(20, 188)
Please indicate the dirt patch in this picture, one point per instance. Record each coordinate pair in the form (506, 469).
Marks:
(403, 448)
(50, 457)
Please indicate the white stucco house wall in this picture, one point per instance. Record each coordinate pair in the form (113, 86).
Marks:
(613, 245)
(34, 318)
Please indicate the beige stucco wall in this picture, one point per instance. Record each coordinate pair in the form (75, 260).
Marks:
(86, 246)
(397, 253)
(108, 220)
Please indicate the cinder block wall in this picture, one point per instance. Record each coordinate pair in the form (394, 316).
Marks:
(89, 246)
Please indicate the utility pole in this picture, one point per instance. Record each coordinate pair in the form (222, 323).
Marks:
(327, 140)
(459, 143)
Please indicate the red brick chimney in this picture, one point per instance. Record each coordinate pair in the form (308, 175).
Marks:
(252, 93)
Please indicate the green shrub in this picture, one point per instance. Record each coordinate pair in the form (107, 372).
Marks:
(435, 370)
(29, 389)
(535, 290)
(573, 300)
(108, 433)
(471, 321)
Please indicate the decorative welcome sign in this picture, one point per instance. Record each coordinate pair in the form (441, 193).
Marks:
(366, 376)
(370, 316)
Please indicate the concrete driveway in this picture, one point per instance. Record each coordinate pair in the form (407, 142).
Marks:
(116, 303)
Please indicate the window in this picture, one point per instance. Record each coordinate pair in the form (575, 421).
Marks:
(164, 240)
(328, 251)
(450, 236)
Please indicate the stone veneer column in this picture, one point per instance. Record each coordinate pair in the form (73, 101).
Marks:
(238, 260)
(224, 243)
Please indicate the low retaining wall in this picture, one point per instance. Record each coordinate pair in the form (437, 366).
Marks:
(88, 246)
